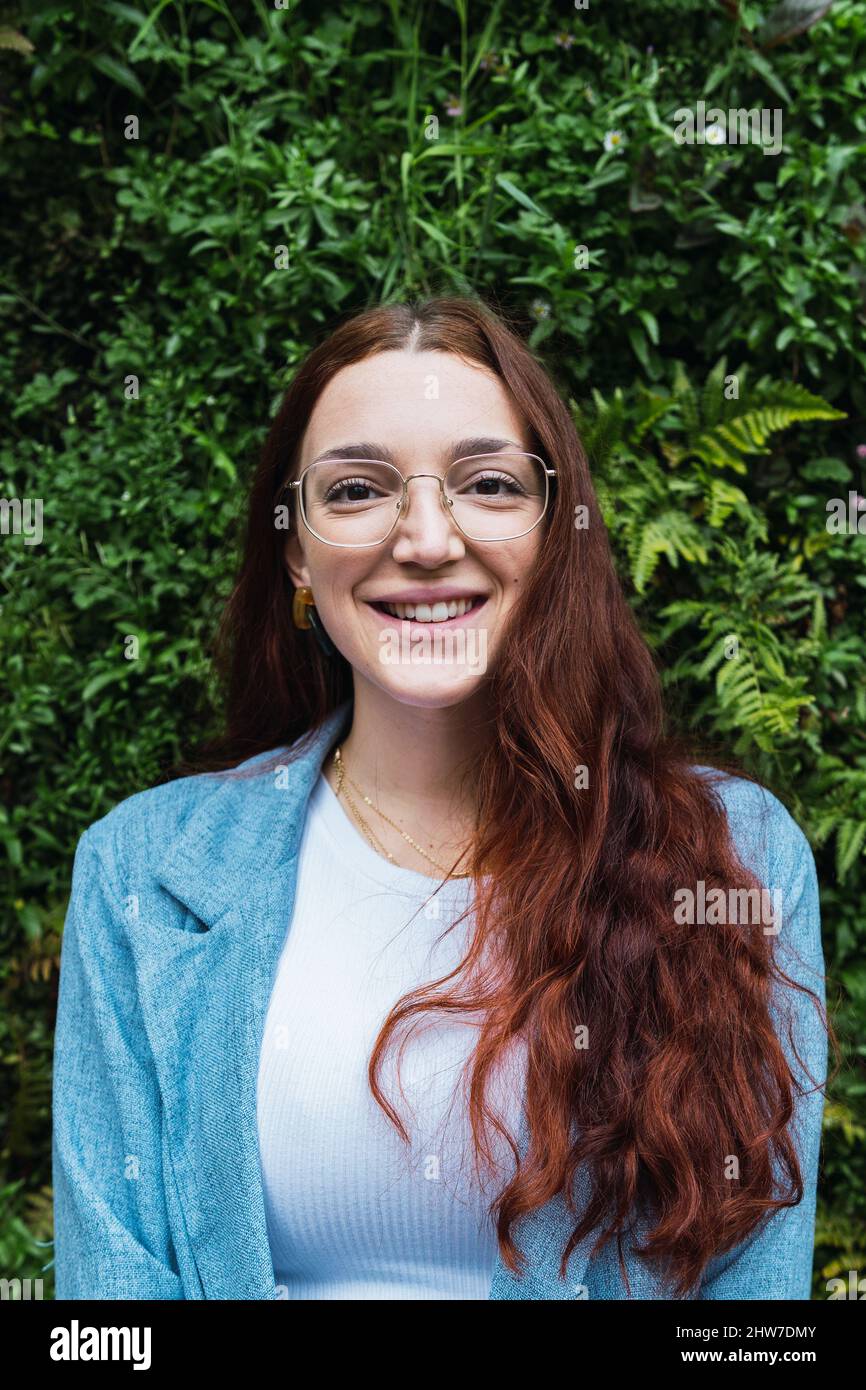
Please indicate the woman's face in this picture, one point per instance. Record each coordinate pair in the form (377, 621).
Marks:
(414, 409)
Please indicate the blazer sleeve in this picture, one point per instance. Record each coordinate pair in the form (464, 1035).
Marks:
(776, 1261)
(112, 1238)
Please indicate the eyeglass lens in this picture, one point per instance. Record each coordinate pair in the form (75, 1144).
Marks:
(492, 496)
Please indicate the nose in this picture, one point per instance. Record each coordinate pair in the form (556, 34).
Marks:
(425, 532)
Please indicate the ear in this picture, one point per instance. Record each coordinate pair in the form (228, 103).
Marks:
(296, 565)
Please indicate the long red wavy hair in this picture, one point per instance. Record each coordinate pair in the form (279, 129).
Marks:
(573, 888)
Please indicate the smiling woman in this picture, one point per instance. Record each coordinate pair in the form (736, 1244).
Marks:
(607, 1099)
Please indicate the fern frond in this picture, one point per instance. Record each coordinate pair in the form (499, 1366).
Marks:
(850, 839)
(673, 534)
(789, 395)
(780, 405)
(602, 431)
(651, 409)
(722, 498)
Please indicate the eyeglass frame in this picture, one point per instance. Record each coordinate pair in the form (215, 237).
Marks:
(403, 503)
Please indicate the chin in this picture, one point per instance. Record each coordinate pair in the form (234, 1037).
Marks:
(426, 687)
(420, 668)
(423, 693)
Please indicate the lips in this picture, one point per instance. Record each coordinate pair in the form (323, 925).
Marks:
(440, 612)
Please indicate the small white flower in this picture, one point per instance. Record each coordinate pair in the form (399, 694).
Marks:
(614, 140)
(540, 308)
(714, 135)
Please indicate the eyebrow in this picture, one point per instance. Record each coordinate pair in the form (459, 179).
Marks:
(461, 448)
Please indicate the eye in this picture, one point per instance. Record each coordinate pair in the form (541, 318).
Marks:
(495, 485)
(351, 490)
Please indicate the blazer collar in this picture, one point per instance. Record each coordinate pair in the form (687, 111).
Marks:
(242, 838)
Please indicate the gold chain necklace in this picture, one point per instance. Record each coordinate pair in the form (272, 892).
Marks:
(343, 776)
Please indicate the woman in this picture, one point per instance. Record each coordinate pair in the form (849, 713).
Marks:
(445, 814)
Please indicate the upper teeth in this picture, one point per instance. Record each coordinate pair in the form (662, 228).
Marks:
(431, 613)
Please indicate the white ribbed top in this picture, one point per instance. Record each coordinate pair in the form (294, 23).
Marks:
(352, 1212)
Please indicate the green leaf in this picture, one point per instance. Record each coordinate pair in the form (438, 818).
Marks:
(116, 673)
(118, 72)
(639, 345)
(406, 161)
(830, 468)
(650, 324)
(148, 25)
(851, 837)
(518, 195)
(762, 66)
(436, 233)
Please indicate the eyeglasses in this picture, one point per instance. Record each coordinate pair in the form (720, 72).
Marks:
(489, 497)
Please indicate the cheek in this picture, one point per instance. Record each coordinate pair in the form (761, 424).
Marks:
(333, 575)
(334, 585)
(512, 573)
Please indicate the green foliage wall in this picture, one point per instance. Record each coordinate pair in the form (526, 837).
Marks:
(646, 272)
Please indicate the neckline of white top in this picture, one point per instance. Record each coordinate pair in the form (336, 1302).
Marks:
(352, 845)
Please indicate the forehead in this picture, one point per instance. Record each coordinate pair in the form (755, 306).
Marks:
(410, 401)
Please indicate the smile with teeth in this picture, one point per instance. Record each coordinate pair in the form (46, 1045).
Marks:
(440, 612)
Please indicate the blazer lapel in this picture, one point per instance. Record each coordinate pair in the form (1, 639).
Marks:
(205, 995)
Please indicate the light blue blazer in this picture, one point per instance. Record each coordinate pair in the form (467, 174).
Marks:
(181, 900)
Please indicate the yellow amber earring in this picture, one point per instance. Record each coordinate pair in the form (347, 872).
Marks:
(304, 615)
(302, 601)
